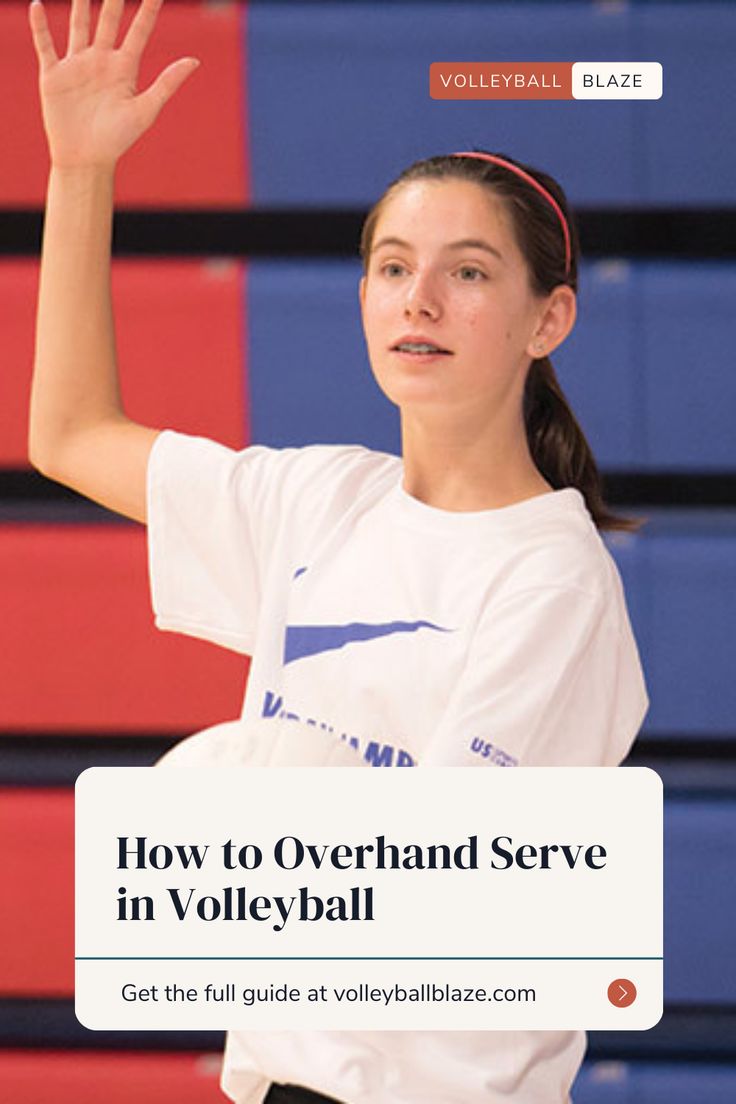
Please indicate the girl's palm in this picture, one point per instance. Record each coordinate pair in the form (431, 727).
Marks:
(91, 109)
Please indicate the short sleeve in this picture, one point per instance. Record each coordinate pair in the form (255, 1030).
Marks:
(552, 678)
(224, 524)
(202, 561)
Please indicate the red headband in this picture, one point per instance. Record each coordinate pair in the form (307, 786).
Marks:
(535, 184)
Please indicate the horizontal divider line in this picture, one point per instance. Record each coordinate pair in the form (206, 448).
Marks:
(368, 958)
(677, 233)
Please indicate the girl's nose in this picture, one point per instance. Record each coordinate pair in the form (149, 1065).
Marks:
(421, 300)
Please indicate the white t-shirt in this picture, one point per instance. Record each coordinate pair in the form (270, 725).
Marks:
(418, 635)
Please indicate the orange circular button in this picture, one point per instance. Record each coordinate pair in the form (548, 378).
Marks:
(622, 992)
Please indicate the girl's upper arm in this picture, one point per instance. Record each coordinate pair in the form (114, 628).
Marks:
(107, 463)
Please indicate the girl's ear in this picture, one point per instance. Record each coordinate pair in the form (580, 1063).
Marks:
(361, 291)
(555, 322)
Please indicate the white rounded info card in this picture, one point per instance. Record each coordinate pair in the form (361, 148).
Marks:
(243, 897)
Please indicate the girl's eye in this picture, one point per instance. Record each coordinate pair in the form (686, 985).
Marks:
(471, 274)
(392, 268)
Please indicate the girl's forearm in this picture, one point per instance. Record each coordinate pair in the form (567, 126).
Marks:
(75, 382)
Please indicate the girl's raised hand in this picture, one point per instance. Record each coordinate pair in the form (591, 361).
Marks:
(91, 109)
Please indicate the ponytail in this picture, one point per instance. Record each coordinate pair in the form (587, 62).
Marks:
(558, 445)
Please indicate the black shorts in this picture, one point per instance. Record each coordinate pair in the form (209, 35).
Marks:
(295, 1094)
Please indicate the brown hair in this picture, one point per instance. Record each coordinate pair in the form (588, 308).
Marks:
(556, 442)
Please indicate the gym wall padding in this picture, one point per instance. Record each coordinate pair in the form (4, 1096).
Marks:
(179, 325)
(680, 580)
(37, 917)
(335, 110)
(196, 156)
(79, 649)
(309, 376)
(689, 389)
(643, 368)
(75, 599)
(654, 1083)
(690, 570)
(700, 901)
(79, 1077)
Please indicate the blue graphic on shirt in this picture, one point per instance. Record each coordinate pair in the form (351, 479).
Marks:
(299, 571)
(375, 753)
(306, 640)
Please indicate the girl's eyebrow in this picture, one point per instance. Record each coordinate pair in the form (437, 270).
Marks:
(475, 243)
(391, 241)
(465, 243)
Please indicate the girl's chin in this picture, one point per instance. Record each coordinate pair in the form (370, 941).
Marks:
(413, 390)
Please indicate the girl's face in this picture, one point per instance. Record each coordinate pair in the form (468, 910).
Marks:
(445, 271)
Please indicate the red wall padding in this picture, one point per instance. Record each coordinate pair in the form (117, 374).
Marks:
(99, 1077)
(195, 153)
(181, 349)
(78, 647)
(37, 914)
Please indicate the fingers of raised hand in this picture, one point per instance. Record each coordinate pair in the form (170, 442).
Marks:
(42, 40)
(78, 27)
(139, 31)
(142, 26)
(108, 23)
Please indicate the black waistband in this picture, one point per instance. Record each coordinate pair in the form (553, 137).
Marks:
(295, 1094)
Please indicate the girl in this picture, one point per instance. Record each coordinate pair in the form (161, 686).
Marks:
(453, 606)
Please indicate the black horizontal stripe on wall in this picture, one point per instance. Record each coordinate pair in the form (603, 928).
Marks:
(57, 760)
(685, 1033)
(27, 496)
(689, 767)
(51, 1024)
(685, 234)
(689, 489)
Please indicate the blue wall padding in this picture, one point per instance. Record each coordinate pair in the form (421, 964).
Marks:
(700, 901)
(339, 98)
(646, 368)
(600, 364)
(689, 384)
(690, 663)
(680, 579)
(631, 553)
(309, 376)
(654, 1083)
(643, 368)
(686, 156)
